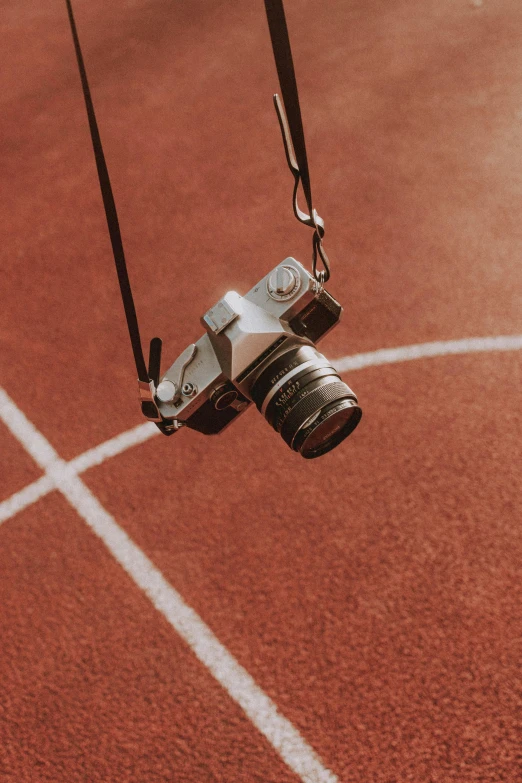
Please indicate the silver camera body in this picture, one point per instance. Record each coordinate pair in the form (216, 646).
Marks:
(261, 348)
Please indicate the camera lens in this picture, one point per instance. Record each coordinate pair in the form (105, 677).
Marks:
(302, 396)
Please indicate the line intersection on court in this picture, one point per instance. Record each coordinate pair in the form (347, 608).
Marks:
(236, 681)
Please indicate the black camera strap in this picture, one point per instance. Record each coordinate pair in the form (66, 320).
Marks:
(292, 130)
(293, 138)
(147, 378)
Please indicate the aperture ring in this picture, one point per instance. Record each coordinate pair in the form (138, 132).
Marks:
(296, 390)
(312, 363)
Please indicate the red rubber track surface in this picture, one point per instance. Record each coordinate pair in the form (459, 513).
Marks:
(374, 594)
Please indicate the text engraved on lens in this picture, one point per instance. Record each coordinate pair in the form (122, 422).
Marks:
(288, 394)
(284, 371)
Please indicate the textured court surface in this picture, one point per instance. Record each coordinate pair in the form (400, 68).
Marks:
(192, 609)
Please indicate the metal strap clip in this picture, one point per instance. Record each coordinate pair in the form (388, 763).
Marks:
(313, 220)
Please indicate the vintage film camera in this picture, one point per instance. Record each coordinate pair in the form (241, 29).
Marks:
(260, 348)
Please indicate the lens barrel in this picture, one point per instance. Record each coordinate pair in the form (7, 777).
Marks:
(303, 398)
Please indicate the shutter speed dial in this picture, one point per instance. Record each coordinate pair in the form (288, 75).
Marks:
(283, 283)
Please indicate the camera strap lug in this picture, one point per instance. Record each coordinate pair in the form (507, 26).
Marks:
(149, 408)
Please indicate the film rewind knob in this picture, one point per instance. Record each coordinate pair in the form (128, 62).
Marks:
(166, 391)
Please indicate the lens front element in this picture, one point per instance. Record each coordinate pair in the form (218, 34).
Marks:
(302, 396)
(332, 425)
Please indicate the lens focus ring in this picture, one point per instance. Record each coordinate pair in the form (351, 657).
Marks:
(279, 369)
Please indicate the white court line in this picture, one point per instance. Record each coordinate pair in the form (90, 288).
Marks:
(426, 350)
(88, 459)
(114, 446)
(26, 496)
(238, 683)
